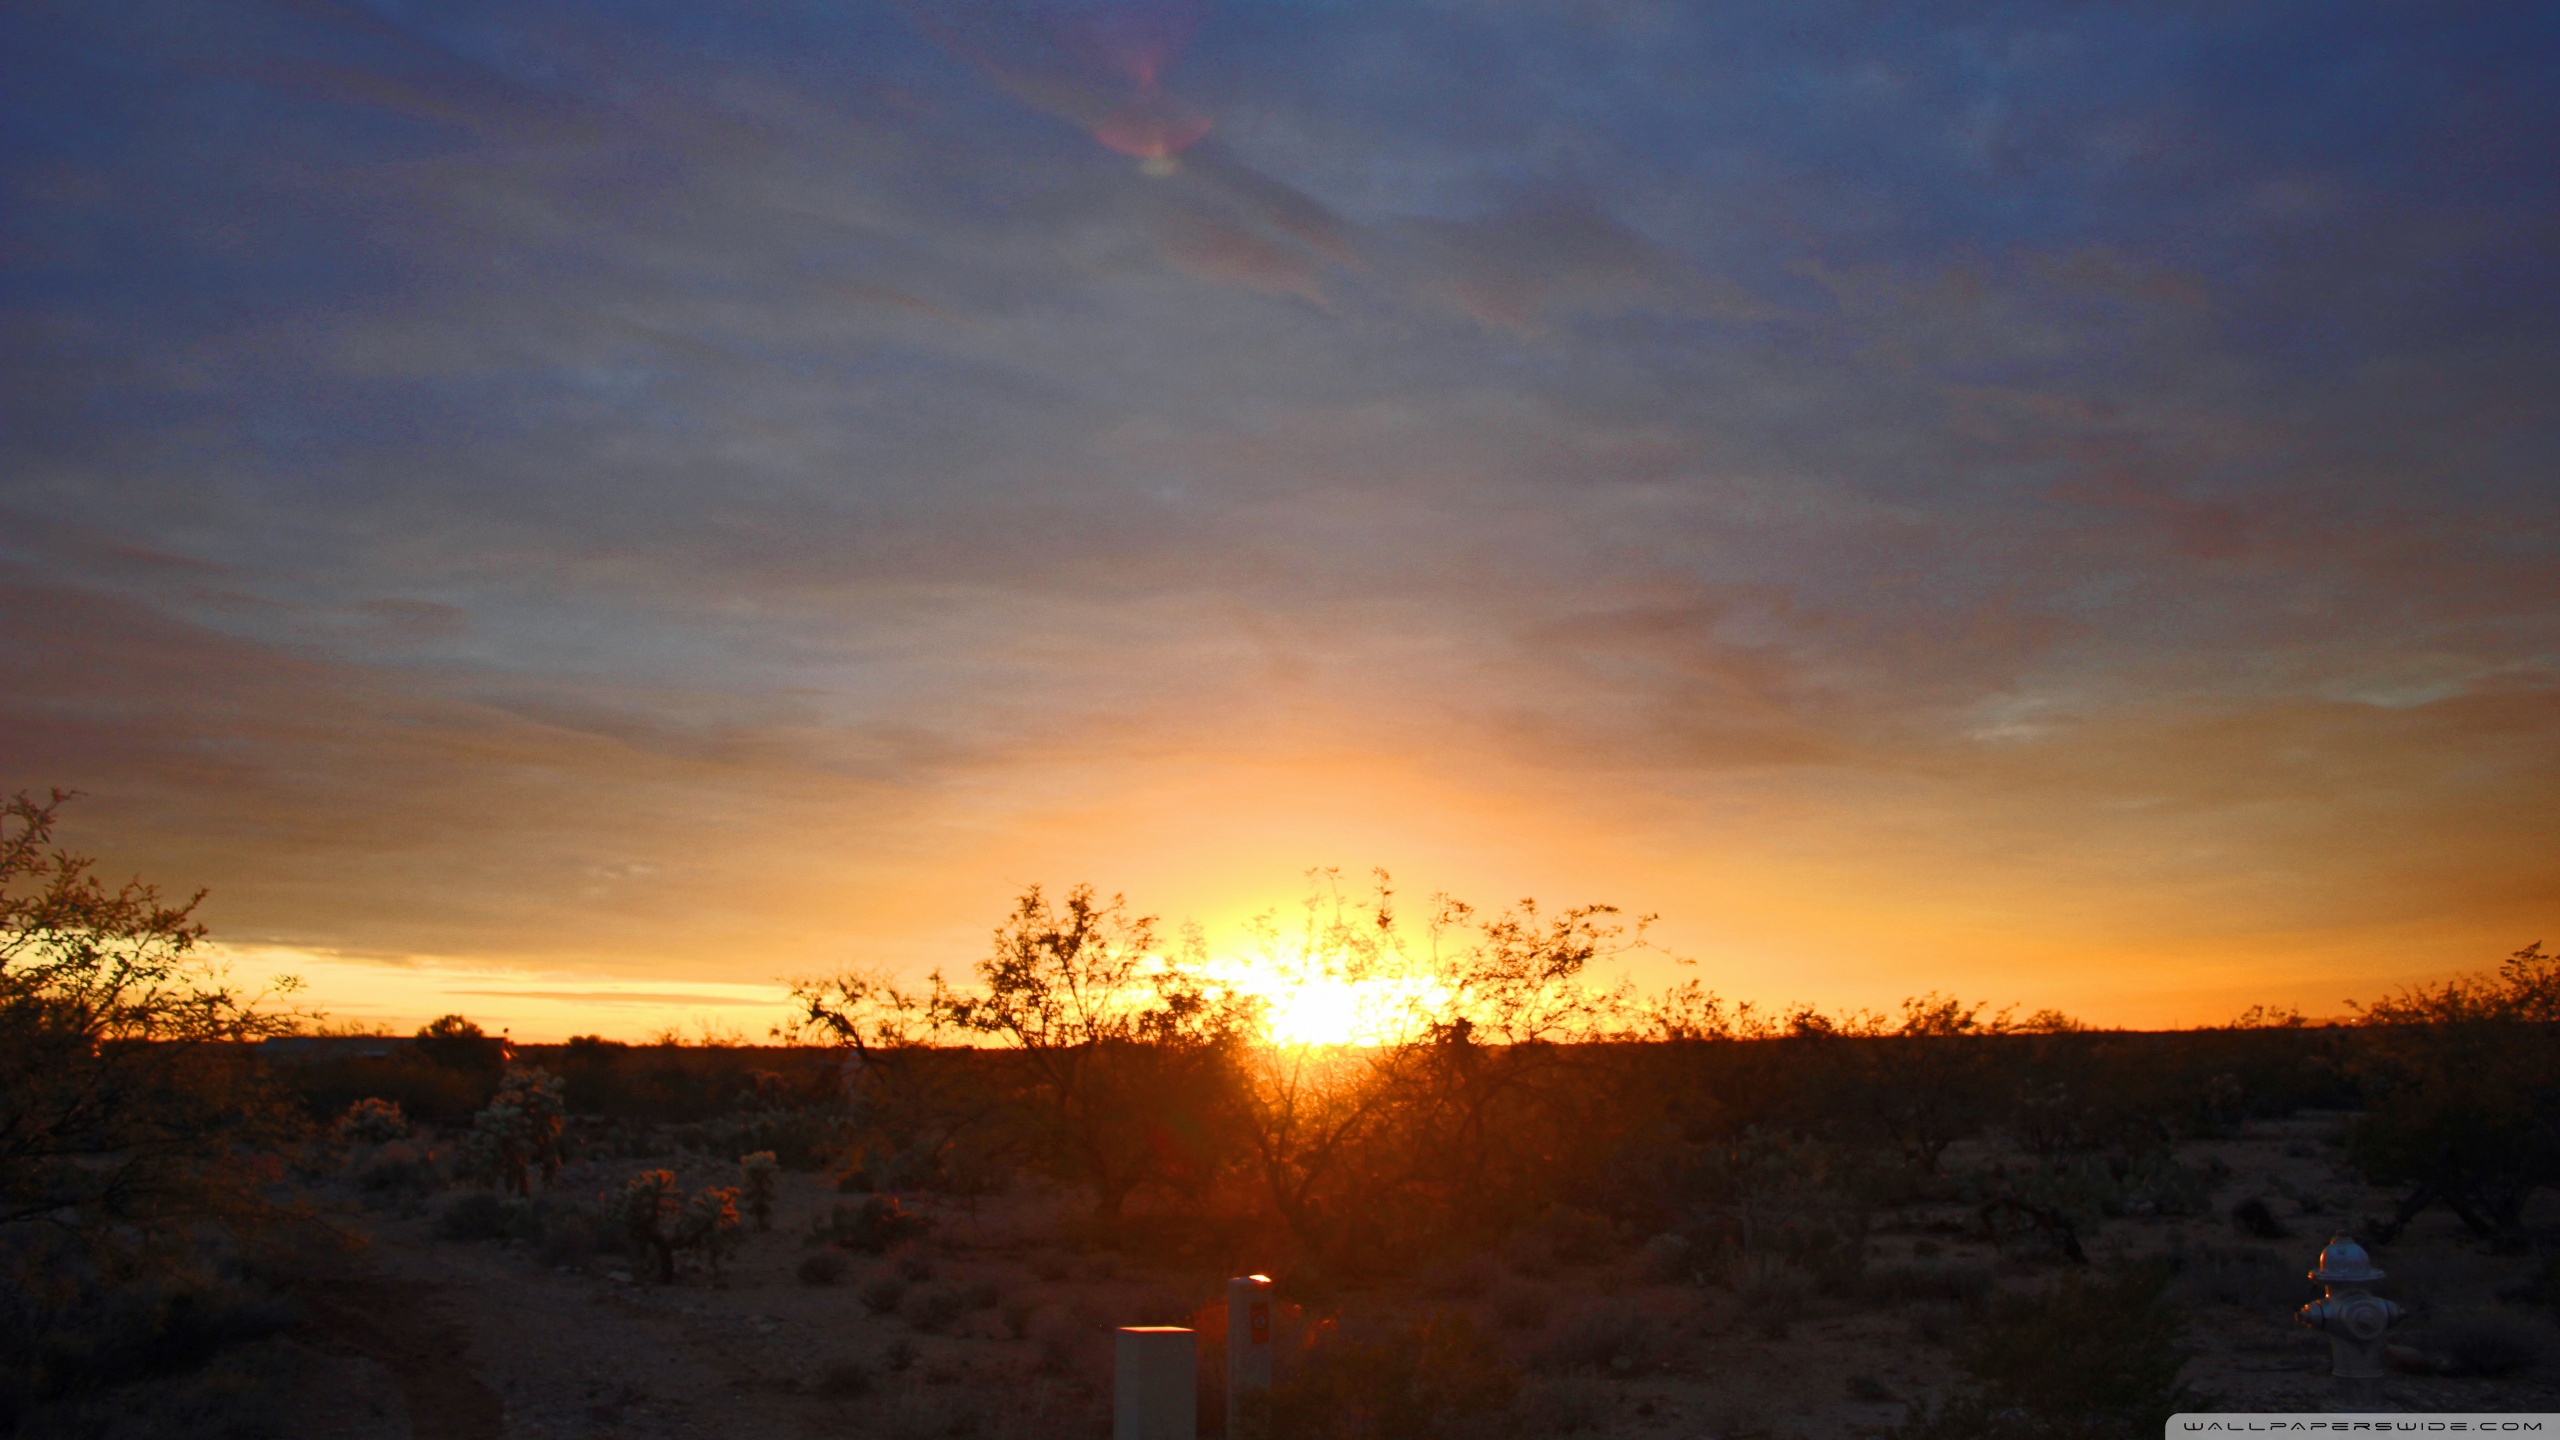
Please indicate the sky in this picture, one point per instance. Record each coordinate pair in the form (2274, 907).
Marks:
(577, 513)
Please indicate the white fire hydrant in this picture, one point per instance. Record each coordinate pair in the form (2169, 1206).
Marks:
(2355, 1320)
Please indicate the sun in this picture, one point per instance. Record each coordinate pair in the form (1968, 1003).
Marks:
(1323, 1011)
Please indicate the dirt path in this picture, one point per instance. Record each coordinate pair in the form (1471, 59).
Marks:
(401, 1325)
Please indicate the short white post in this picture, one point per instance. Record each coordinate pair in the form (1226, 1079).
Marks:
(1156, 1384)
(1248, 1351)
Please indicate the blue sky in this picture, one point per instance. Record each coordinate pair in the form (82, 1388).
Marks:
(2052, 500)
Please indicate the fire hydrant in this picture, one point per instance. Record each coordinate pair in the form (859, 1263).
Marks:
(2355, 1320)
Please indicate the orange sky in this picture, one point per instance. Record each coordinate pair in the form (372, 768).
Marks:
(574, 517)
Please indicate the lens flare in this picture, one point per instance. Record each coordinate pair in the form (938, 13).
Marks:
(1152, 126)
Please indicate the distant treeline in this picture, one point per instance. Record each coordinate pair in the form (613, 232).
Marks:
(1456, 1138)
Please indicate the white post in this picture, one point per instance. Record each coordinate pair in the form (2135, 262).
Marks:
(1156, 1384)
(1248, 1349)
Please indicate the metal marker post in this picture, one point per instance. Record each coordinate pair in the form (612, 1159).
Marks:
(1156, 1384)
(1248, 1354)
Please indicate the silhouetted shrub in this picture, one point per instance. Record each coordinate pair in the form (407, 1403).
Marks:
(932, 1309)
(845, 1380)
(66, 1333)
(1673, 1259)
(2094, 1357)
(1070, 1344)
(2251, 1278)
(1563, 1405)
(2487, 1344)
(1925, 1282)
(1435, 1379)
(2465, 1084)
(477, 1215)
(2253, 1219)
(1613, 1335)
(871, 1227)
(759, 1169)
(826, 1267)
(402, 1168)
(372, 1121)
(881, 1296)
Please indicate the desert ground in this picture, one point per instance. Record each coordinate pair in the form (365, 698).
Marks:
(991, 1325)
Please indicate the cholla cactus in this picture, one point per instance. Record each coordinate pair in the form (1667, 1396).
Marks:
(762, 1171)
(373, 1122)
(652, 1207)
(710, 1224)
(520, 1129)
(661, 1221)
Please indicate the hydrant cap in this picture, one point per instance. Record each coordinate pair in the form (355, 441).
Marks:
(2345, 1263)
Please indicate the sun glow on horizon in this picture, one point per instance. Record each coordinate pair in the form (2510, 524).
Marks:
(1322, 1008)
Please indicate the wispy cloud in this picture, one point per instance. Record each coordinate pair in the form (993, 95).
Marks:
(689, 499)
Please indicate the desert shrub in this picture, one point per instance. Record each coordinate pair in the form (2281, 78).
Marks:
(2465, 1087)
(2538, 1284)
(1614, 1335)
(916, 1267)
(1070, 1344)
(1563, 1405)
(572, 1237)
(801, 1138)
(883, 1296)
(845, 1380)
(424, 1090)
(871, 1227)
(1925, 1282)
(477, 1215)
(2093, 1356)
(1775, 1299)
(1867, 1389)
(931, 1309)
(2155, 1183)
(70, 1330)
(825, 1267)
(2487, 1344)
(453, 1042)
(1570, 1236)
(401, 1168)
(898, 1356)
(759, 1170)
(932, 1415)
(2254, 1218)
(2249, 1277)
(1435, 1379)
(1673, 1258)
(373, 1121)
(245, 1392)
(133, 1121)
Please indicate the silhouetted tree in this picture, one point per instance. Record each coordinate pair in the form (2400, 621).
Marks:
(1130, 1053)
(127, 1106)
(2464, 1079)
